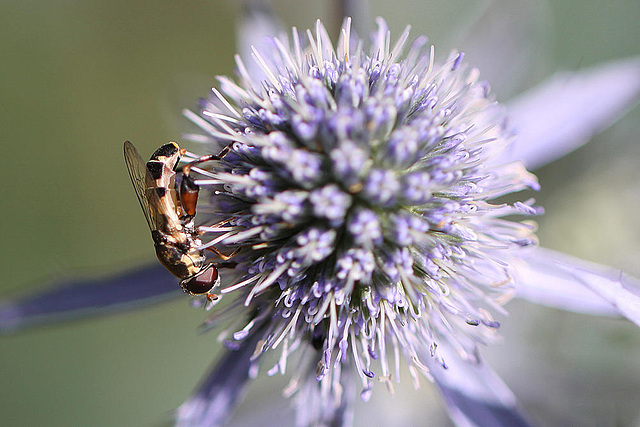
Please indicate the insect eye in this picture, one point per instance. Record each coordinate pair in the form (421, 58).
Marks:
(202, 282)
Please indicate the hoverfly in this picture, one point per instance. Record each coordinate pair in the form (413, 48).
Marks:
(170, 213)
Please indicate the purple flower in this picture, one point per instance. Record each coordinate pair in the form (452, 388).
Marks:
(360, 197)
(366, 136)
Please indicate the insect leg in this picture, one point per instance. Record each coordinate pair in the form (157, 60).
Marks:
(222, 256)
(189, 189)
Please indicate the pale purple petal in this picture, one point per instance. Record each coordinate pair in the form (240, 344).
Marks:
(315, 408)
(474, 394)
(360, 14)
(619, 289)
(558, 280)
(223, 388)
(78, 299)
(564, 112)
(540, 279)
(501, 43)
(256, 29)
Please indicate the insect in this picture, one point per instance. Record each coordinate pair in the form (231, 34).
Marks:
(170, 213)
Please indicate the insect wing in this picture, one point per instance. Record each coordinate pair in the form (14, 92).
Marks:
(141, 182)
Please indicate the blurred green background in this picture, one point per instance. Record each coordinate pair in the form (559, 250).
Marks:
(77, 78)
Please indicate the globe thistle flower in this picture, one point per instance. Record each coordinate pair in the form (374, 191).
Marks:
(358, 191)
(361, 191)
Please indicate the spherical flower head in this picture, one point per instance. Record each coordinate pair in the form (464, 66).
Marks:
(358, 191)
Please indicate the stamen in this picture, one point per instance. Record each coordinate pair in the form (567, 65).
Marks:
(239, 285)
